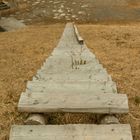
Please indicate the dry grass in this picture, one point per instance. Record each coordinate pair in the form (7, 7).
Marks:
(134, 4)
(22, 53)
(118, 49)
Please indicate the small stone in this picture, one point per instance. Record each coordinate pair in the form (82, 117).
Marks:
(60, 10)
(84, 6)
(62, 15)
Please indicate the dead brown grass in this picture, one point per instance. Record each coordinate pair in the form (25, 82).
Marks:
(23, 52)
(118, 49)
(134, 4)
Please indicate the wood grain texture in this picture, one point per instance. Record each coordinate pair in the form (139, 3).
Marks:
(73, 102)
(72, 80)
(72, 132)
(72, 86)
(79, 38)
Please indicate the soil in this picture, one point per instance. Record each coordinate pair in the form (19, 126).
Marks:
(22, 53)
(80, 11)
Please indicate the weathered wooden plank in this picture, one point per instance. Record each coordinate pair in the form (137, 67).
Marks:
(78, 50)
(79, 38)
(59, 79)
(73, 73)
(73, 102)
(71, 132)
(72, 69)
(71, 84)
(74, 86)
(68, 63)
(71, 61)
(58, 90)
(68, 83)
(73, 76)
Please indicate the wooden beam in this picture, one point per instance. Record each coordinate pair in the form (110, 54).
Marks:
(93, 87)
(43, 102)
(79, 38)
(35, 119)
(71, 132)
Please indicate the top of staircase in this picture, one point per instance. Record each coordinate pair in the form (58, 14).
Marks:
(72, 80)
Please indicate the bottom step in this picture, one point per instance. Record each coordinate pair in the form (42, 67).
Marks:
(71, 132)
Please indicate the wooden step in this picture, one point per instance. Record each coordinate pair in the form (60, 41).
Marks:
(82, 101)
(53, 69)
(76, 75)
(68, 87)
(64, 65)
(71, 132)
(57, 93)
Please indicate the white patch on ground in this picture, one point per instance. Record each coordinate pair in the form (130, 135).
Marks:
(56, 2)
(62, 6)
(54, 10)
(50, 1)
(60, 11)
(74, 3)
(81, 13)
(62, 15)
(11, 24)
(74, 16)
(85, 6)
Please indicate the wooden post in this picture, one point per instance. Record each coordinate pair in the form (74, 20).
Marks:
(35, 119)
(79, 38)
(109, 119)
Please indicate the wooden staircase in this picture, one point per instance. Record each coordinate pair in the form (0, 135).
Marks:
(72, 80)
(72, 132)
